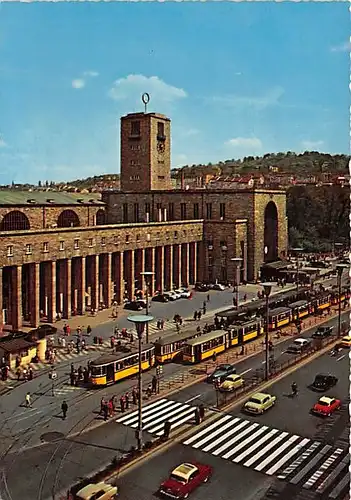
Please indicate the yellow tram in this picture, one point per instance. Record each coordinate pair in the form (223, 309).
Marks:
(300, 309)
(279, 317)
(169, 347)
(203, 347)
(112, 368)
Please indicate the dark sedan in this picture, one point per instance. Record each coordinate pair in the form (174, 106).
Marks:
(221, 373)
(136, 305)
(323, 382)
(160, 297)
(43, 330)
(323, 332)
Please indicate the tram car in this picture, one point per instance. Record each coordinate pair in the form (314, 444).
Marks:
(111, 368)
(300, 309)
(169, 347)
(278, 317)
(204, 347)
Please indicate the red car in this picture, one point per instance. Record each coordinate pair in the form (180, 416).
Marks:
(184, 479)
(326, 406)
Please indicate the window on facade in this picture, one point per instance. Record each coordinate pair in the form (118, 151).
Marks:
(125, 212)
(10, 250)
(171, 211)
(222, 210)
(127, 238)
(45, 246)
(147, 212)
(28, 249)
(116, 240)
(136, 212)
(138, 237)
(160, 129)
(223, 245)
(135, 127)
(90, 242)
(161, 177)
(157, 236)
(208, 210)
(183, 211)
(159, 206)
(210, 244)
(196, 210)
(103, 241)
(62, 245)
(134, 177)
(76, 244)
(176, 234)
(167, 235)
(210, 261)
(148, 237)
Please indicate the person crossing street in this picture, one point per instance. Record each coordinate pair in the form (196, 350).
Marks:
(64, 408)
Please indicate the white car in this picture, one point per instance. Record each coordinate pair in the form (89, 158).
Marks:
(218, 286)
(177, 293)
(171, 295)
(184, 293)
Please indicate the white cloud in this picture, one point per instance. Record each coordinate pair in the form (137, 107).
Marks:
(92, 74)
(135, 85)
(2, 142)
(343, 47)
(78, 83)
(245, 143)
(270, 98)
(311, 145)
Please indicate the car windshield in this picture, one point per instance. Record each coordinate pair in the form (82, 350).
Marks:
(223, 367)
(256, 401)
(177, 478)
(320, 379)
(323, 403)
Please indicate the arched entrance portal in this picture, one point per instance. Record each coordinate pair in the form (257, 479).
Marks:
(270, 232)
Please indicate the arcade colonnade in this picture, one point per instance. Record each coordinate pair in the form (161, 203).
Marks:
(69, 286)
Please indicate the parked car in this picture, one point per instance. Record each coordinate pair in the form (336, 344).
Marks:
(221, 373)
(184, 479)
(218, 286)
(326, 406)
(44, 331)
(135, 305)
(323, 332)
(171, 295)
(98, 491)
(160, 297)
(202, 287)
(299, 346)
(184, 293)
(259, 403)
(323, 382)
(231, 383)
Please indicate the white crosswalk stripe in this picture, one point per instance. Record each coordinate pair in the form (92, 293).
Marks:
(156, 414)
(274, 452)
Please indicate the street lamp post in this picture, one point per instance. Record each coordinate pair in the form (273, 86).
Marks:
(297, 250)
(140, 320)
(340, 268)
(267, 288)
(237, 262)
(147, 274)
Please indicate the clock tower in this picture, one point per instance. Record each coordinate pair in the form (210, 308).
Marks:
(145, 152)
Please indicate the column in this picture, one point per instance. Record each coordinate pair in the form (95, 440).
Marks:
(81, 286)
(141, 269)
(34, 296)
(188, 262)
(67, 291)
(130, 274)
(1, 303)
(177, 265)
(195, 262)
(16, 319)
(94, 282)
(152, 269)
(118, 276)
(107, 283)
(170, 268)
(51, 289)
(201, 262)
(159, 264)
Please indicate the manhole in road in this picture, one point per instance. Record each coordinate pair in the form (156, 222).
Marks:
(52, 436)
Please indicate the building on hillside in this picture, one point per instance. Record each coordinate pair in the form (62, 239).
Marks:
(63, 254)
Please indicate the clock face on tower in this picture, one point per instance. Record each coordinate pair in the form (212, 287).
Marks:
(160, 147)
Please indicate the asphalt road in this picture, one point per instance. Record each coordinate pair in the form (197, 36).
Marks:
(289, 415)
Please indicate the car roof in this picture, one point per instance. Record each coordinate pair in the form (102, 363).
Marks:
(302, 340)
(91, 489)
(326, 399)
(223, 365)
(347, 337)
(259, 395)
(233, 375)
(184, 470)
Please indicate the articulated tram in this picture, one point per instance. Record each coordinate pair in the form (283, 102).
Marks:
(111, 368)
(169, 348)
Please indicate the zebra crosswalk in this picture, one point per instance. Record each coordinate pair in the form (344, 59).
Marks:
(298, 460)
(157, 413)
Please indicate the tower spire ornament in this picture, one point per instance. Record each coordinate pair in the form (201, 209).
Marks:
(146, 99)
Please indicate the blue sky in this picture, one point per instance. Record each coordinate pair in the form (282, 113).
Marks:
(235, 78)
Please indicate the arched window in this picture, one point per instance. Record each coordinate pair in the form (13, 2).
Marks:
(68, 218)
(270, 232)
(100, 217)
(15, 221)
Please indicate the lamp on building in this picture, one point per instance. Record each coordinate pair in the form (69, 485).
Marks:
(237, 263)
(140, 320)
(338, 248)
(267, 288)
(340, 269)
(148, 276)
(297, 251)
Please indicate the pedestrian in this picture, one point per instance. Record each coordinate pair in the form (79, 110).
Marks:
(105, 411)
(88, 330)
(245, 297)
(102, 404)
(199, 315)
(68, 330)
(158, 324)
(83, 344)
(204, 305)
(76, 378)
(204, 310)
(72, 378)
(154, 384)
(214, 357)
(208, 297)
(18, 372)
(162, 323)
(85, 376)
(28, 400)
(126, 400)
(65, 329)
(64, 408)
(201, 411)
(195, 315)
(110, 408)
(122, 404)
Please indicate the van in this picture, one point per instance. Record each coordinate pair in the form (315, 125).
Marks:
(299, 346)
